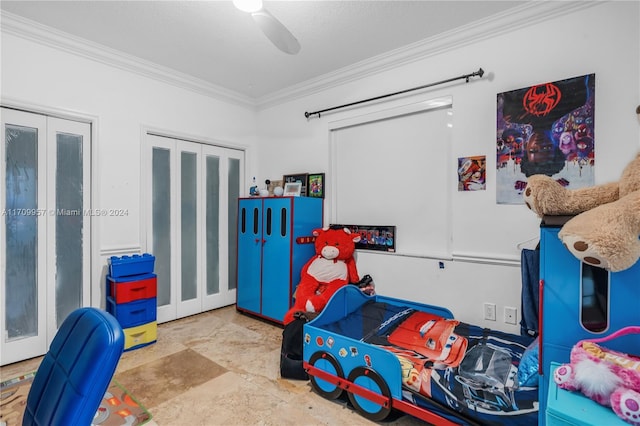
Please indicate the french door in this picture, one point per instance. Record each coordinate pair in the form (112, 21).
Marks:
(45, 231)
(192, 213)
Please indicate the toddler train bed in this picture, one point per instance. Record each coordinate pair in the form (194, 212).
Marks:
(389, 354)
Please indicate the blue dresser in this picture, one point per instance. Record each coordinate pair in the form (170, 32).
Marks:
(273, 245)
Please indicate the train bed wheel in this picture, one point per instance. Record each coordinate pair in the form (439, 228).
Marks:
(369, 379)
(326, 362)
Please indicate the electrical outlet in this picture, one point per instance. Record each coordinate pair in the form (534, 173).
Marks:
(490, 311)
(510, 315)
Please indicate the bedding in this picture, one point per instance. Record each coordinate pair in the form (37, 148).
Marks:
(462, 372)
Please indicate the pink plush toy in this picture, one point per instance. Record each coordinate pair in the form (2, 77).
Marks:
(332, 267)
(608, 377)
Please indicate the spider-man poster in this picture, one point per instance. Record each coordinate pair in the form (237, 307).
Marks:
(545, 129)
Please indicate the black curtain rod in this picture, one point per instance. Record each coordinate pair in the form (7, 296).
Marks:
(478, 73)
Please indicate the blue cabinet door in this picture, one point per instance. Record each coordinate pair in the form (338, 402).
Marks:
(276, 256)
(249, 288)
(307, 213)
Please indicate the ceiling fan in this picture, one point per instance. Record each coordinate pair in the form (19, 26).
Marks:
(279, 35)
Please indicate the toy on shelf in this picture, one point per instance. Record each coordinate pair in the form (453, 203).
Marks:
(254, 191)
(604, 232)
(608, 377)
(572, 408)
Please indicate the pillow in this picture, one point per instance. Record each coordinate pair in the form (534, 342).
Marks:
(528, 368)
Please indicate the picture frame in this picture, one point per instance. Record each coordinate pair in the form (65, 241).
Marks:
(299, 177)
(374, 237)
(292, 189)
(274, 184)
(315, 185)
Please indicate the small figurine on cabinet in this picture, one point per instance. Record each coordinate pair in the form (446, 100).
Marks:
(253, 191)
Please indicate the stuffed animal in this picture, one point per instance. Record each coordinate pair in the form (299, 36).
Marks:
(332, 267)
(608, 377)
(606, 226)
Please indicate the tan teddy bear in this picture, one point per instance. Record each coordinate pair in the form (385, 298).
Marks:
(606, 228)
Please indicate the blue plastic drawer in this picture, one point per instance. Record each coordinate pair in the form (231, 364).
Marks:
(133, 313)
(135, 264)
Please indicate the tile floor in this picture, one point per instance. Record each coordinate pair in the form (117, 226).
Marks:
(222, 368)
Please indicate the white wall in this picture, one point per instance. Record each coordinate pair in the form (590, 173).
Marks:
(539, 45)
(559, 41)
(123, 104)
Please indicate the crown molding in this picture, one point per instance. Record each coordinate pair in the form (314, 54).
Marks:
(528, 14)
(30, 30)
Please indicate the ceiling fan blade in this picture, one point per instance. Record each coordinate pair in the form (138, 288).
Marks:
(279, 35)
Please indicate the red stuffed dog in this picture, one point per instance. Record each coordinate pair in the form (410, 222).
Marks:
(332, 267)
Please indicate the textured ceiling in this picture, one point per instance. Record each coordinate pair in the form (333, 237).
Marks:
(214, 42)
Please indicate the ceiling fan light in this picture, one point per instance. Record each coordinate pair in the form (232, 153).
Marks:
(249, 6)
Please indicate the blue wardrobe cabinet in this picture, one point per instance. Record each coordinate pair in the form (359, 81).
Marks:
(579, 302)
(273, 246)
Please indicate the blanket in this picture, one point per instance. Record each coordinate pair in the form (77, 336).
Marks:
(450, 367)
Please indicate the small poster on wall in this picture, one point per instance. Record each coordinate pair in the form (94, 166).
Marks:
(545, 129)
(379, 238)
(472, 173)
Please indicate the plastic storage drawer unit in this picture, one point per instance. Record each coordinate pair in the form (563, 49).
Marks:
(573, 408)
(142, 335)
(133, 313)
(130, 288)
(136, 264)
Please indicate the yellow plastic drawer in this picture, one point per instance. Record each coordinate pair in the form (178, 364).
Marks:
(141, 335)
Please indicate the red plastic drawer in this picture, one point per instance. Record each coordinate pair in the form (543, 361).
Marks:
(124, 290)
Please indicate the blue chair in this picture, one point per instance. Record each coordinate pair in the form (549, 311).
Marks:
(76, 371)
